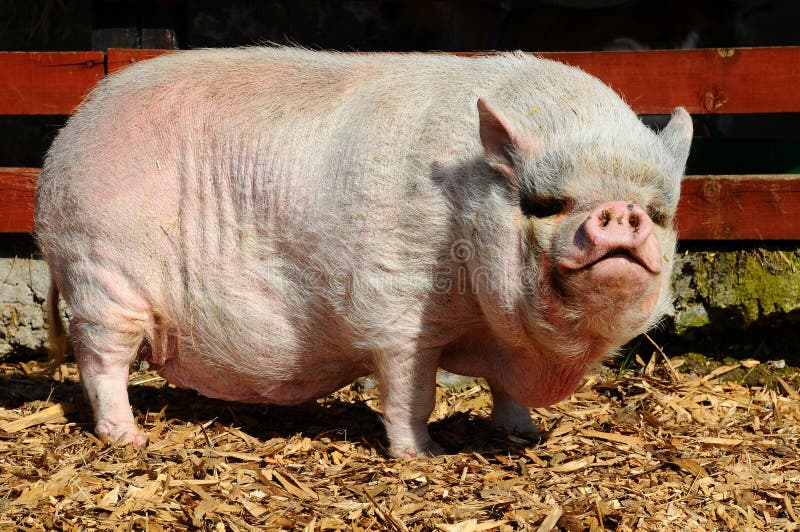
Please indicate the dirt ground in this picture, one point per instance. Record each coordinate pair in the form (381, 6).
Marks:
(664, 445)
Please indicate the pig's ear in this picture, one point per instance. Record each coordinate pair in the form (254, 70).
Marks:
(504, 141)
(677, 137)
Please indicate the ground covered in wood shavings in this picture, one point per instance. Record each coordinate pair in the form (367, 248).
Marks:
(650, 449)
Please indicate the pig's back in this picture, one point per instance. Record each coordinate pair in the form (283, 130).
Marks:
(286, 129)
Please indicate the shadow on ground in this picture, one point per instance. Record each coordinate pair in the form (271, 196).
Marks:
(336, 418)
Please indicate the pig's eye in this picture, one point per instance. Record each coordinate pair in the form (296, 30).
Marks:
(658, 217)
(542, 206)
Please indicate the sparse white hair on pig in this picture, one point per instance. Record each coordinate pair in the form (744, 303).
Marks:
(268, 224)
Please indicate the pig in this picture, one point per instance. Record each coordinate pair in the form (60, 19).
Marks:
(268, 224)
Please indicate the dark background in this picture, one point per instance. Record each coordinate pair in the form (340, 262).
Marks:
(371, 25)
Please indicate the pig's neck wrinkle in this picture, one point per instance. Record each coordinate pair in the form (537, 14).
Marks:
(539, 379)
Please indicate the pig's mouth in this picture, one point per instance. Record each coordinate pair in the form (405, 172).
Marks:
(623, 256)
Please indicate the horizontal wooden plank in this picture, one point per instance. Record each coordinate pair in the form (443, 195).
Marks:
(17, 189)
(46, 83)
(707, 81)
(118, 58)
(746, 207)
(704, 81)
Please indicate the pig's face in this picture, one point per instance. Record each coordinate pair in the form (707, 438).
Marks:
(603, 259)
(593, 223)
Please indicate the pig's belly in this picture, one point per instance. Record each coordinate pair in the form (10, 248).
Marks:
(265, 378)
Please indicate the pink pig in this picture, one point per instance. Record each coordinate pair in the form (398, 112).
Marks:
(268, 224)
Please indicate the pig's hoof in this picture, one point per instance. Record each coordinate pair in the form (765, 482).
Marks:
(120, 435)
(405, 452)
(522, 426)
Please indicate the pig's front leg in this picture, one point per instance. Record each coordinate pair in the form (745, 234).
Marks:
(104, 359)
(408, 390)
(509, 415)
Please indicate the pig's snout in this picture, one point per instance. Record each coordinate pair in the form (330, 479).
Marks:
(615, 229)
(618, 225)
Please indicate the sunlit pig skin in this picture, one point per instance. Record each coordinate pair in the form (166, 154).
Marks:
(268, 224)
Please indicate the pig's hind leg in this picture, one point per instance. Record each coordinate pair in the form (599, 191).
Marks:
(106, 337)
(104, 359)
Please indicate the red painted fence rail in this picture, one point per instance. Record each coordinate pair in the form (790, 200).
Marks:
(739, 207)
(704, 81)
(714, 80)
(763, 207)
(47, 83)
(118, 58)
(17, 187)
